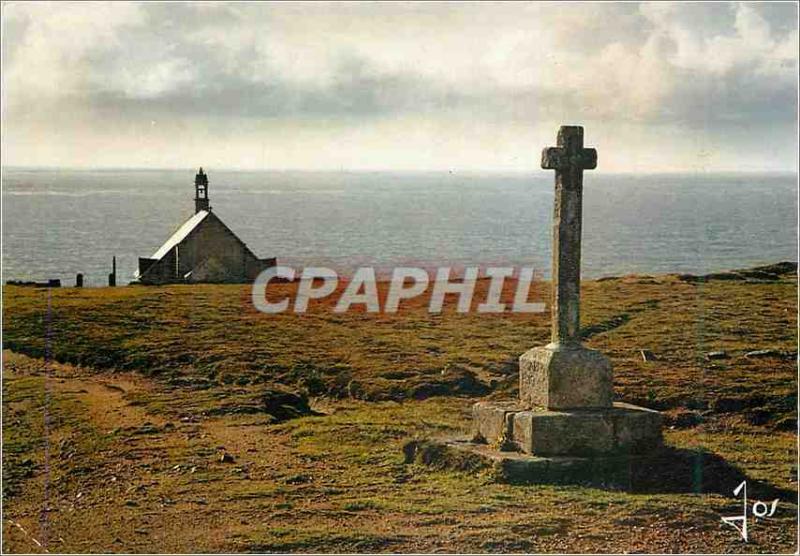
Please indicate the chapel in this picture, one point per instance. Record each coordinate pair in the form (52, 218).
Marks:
(202, 250)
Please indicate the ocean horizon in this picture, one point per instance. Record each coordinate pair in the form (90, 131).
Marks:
(59, 221)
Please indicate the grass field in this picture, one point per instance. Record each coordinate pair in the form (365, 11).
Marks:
(119, 405)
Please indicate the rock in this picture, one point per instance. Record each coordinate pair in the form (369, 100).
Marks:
(683, 419)
(717, 355)
(768, 273)
(284, 405)
(225, 457)
(763, 353)
(783, 267)
(648, 355)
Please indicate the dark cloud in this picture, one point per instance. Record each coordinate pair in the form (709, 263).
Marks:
(693, 65)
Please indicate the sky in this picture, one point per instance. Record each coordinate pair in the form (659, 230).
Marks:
(659, 87)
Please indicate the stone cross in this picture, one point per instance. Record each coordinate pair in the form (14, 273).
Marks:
(569, 159)
(564, 374)
(566, 394)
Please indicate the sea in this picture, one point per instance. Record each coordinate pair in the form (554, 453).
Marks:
(59, 222)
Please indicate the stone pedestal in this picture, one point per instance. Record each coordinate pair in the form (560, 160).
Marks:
(556, 377)
(619, 429)
(565, 416)
(566, 408)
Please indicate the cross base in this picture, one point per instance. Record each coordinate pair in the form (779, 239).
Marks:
(622, 428)
(565, 377)
(635, 473)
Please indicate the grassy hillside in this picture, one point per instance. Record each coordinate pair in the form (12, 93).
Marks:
(176, 420)
(210, 336)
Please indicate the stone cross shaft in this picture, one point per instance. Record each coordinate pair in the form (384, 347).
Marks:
(569, 159)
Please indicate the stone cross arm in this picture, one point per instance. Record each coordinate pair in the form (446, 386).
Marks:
(569, 154)
(569, 159)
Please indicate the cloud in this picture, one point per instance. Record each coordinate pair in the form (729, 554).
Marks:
(249, 67)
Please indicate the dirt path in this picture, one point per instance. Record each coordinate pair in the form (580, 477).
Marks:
(104, 487)
(103, 395)
(124, 471)
(121, 477)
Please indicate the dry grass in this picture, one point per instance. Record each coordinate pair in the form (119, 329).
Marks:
(135, 431)
(210, 336)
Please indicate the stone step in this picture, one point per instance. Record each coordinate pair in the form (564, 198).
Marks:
(517, 468)
(622, 428)
(667, 469)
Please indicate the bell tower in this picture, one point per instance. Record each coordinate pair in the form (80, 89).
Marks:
(201, 192)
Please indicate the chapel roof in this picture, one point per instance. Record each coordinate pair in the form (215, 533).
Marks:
(180, 234)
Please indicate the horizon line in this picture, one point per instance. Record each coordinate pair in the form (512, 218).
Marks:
(4, 167)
